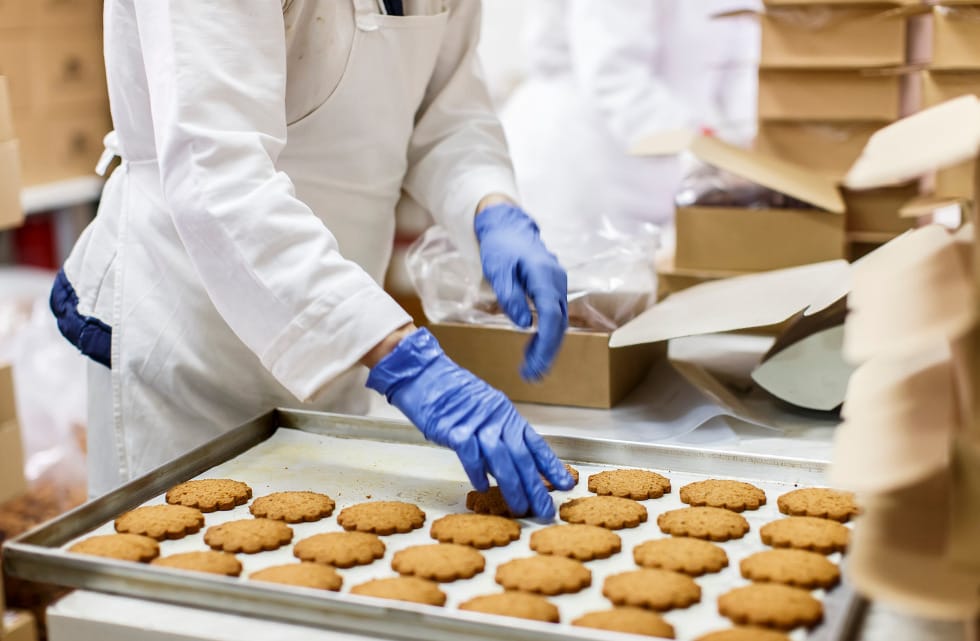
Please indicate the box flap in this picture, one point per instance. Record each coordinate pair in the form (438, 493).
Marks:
(774, 173)
(742, 302)
(944, 135)
(926, 205)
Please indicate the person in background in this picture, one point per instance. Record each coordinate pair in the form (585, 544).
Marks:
(603, 75)
(235, 262)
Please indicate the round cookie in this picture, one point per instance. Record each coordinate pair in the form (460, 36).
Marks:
(292, 507)
(209, 495)
(798, 568)
(576, 541)
(480, 531)
(743, 634)
(630, 484)
(248, 535)
(304, 575)
(629, 620)
(340, 549)
(382, 517)
(548, 575)
(609, 512)
(125, 547)
(489, 502)
(693, 557)
(211, 562)
(161, 521)
(806, 533)
(402, 588)
(821, 502)
(654, 589)
(443, 562)
(571, 471)
(712, 523)
(771, 605)
(737, 496)
(514, 604)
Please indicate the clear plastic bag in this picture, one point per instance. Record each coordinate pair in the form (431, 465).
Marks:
(611, 277)
(712, 187)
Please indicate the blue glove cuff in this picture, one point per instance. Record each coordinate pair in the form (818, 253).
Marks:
(413, 354)
(503, 216)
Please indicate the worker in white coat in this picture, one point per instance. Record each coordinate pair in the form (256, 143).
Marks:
(235, 262)
(602, 76)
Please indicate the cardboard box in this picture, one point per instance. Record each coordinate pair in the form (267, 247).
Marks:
(12, 482)
(14, 13)
(18, 625)
(827, 147)
(838, 37)
(831, 95)
(876, 211)
(672, 279)
(61, 143)
(954, 182)
(587, 372)
(67, 13)
(15, 56)
(956, 37)
(748, 240)
(11, 213)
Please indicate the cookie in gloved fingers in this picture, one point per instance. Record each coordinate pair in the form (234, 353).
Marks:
(519, 267)
(455, 409)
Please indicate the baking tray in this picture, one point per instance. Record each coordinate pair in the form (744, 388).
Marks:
(355, 459)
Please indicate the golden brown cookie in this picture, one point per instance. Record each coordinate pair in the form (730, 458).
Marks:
(771, 605)
(489, 502)
(403, 588)
(548, 575)
(744, 634)
(609, 512)
(292, 507)
(571, 470)
(821, 502)
(514, 604)
(340, 549)
(125, 547)
(576, 541)
(693, 557)
(382, 517)
(799, 568)
(161, 521)
(654, 589)
(209, 495)
(211, 562)
(712, 523)
(481, 531)
(737, 496)
(304, 575)
(806, 533)
(630, 484)
(629, 620)
(248, 535)
(441, 562)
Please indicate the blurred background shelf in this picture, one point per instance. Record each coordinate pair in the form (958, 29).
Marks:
(62, 194)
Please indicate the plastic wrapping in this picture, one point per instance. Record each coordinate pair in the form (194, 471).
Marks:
(709, 186)
(49, 380)
(611, 277)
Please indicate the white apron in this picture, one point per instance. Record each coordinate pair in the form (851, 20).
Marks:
(180, 376)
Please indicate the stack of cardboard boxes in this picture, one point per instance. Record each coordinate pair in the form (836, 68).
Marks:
(954, 71)
(51, 51)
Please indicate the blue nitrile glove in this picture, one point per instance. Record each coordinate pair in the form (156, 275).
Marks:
(455, 409)
(519, 267)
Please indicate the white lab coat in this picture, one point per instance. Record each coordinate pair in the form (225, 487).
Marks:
(604, 74)
(238, 250)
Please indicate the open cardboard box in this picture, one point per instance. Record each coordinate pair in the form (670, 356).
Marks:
(11, 214)
(597, 369)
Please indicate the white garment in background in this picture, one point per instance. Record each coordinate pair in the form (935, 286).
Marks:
(602, 75)
(238, 259)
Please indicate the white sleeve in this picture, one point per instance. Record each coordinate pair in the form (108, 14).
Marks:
(216, 72)
(458, 153)
(613, 48)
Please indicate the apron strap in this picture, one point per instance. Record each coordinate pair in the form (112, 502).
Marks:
(111, 151)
